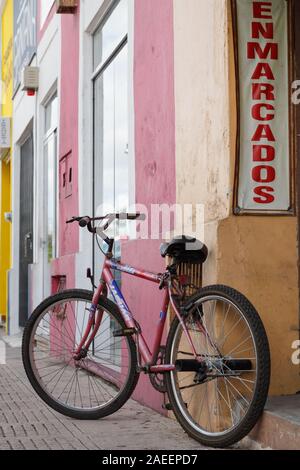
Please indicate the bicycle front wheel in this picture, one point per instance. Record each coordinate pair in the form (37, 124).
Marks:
(219, 402)
(91, 387)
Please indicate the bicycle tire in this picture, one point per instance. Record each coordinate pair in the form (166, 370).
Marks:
(133, 375)
(263, 370)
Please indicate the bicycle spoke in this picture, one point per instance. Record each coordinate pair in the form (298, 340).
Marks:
(91, 382)
(221, 397)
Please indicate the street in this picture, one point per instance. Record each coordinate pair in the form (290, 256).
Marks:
(27, 423)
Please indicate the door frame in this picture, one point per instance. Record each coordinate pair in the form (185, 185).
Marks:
(28, 134)
(52, 132)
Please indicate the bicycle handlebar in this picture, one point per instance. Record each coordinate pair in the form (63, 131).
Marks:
(86, 221)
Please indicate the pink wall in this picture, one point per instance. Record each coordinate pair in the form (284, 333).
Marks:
(68, 143)
(155, 157)
(68, 148)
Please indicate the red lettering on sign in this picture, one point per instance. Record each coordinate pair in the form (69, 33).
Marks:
(263, 70)
(264, 196)
(263, 174)
(263, 131)
(260, 10)
(269, 49)
(260, 90)
(265, 30)
(263, 153)
(257, 112)
(262, 49)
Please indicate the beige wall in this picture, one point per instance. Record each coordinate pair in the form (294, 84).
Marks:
(256, 255)
(202, 121)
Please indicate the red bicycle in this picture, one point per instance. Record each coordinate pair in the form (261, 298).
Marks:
(83, 353)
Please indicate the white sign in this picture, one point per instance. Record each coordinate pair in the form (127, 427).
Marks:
(5, 133)
(264, 159)
(24, 36)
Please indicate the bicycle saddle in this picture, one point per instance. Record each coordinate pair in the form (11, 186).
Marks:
(185, 249)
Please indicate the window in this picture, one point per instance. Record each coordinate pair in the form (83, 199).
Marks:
(111, 165)
(111, 133)
(110, 33)
(111, 152)
(50, 156)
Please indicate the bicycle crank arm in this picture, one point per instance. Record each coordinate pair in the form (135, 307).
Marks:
(188, 365)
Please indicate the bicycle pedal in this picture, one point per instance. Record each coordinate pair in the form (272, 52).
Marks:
(124, 332)
(167, 406)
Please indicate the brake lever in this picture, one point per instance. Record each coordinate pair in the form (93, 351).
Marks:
(84, 221)
(74, 219)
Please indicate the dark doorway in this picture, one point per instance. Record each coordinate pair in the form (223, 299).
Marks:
(26, 226)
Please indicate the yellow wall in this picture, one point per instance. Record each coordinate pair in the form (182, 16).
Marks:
(256, 255)
(5, 165)
(7, 58)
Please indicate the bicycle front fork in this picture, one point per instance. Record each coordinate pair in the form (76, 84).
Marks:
(93, 323)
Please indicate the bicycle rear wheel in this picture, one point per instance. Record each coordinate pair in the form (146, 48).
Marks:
(218, 403)
(96, 385)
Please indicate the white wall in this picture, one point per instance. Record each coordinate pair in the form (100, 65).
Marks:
(48, 57)
(29, 110)
(88, 11)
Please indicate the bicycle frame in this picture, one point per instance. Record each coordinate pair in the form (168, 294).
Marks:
(107, 279)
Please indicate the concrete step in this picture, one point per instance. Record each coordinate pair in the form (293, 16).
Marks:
(279, 427)
(14, 341)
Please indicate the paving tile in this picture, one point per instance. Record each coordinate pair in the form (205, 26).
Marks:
(27, 423)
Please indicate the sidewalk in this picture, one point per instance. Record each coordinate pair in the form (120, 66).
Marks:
(27, 423)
